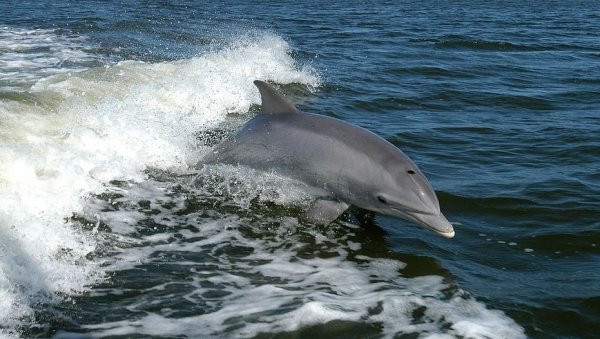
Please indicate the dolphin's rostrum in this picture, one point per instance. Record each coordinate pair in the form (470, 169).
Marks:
(344, 164)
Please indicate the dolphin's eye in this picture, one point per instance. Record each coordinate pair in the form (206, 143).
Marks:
(381, 199)
(410, 171)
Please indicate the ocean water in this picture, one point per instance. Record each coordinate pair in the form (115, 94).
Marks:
(108, 230)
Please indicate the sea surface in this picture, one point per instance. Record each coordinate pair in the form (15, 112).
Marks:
(107, 229)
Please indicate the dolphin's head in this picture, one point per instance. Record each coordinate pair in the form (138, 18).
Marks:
(404, 192)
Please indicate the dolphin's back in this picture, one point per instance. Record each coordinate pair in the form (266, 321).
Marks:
(312, 148)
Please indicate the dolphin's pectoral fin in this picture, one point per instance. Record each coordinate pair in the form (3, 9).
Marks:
(324, 211)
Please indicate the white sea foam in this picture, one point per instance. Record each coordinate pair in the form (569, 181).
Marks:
(29, 54)
(85, 129)
(276, 286)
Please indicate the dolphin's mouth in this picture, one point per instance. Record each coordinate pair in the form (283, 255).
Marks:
(435, 222)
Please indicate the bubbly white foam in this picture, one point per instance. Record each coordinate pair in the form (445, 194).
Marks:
(85, 129)
(276, 286)
(30, 54)
(243, 185)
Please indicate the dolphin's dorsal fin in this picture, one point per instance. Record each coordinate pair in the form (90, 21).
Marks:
(272, 101)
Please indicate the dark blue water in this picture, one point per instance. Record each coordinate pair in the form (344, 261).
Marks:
(498, 103)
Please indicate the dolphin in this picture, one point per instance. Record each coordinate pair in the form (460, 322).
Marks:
(341, 163)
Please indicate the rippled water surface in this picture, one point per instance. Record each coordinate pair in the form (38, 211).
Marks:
(107, 228)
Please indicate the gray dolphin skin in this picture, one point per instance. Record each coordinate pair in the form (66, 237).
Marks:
(343, 164)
